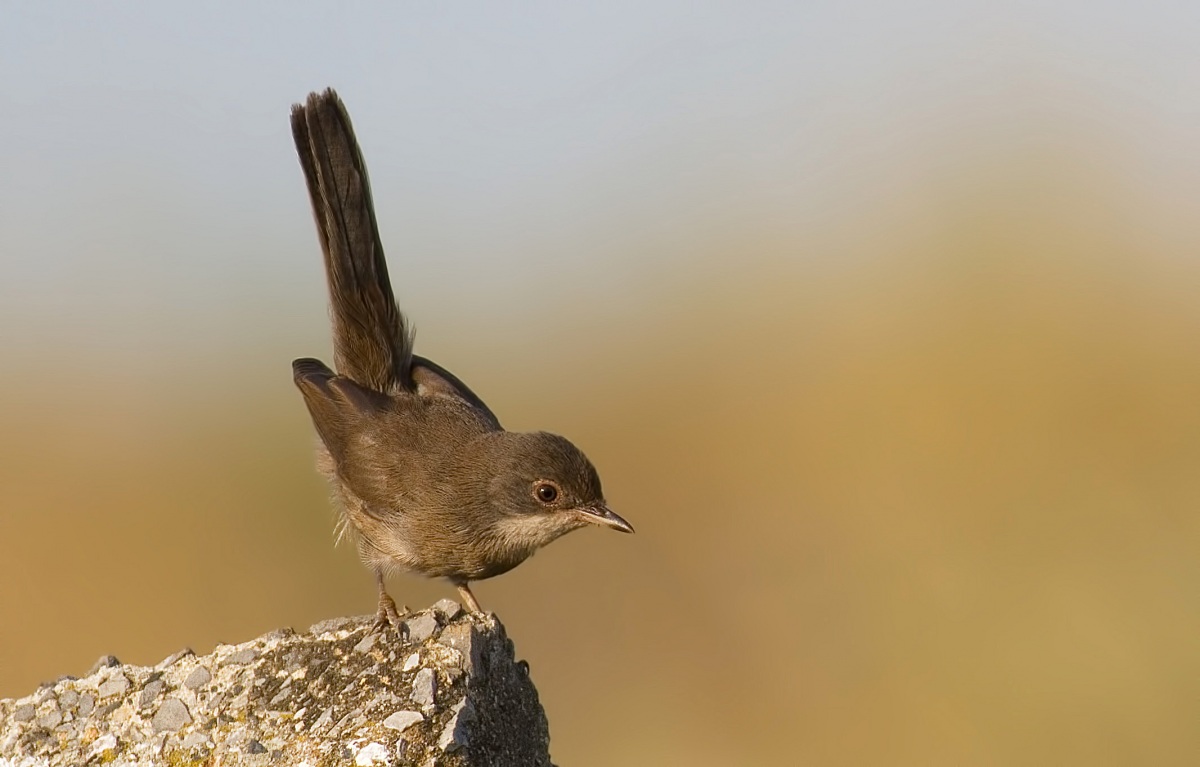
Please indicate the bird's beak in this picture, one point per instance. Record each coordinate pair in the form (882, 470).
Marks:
(605, 517)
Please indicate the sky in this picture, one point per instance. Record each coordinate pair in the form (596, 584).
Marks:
(149, 168)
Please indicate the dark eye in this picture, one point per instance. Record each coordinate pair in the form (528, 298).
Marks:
(546, 492)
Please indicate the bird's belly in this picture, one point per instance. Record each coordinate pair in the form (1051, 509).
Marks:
(402, 538)
(396, 542)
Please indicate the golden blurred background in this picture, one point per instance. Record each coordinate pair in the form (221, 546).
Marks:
(882, 327)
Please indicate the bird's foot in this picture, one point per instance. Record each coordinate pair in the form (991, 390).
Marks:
(388, 616)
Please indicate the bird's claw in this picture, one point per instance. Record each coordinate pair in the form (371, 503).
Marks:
(389, 617)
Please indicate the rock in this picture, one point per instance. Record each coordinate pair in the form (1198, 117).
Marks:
(421, 627)
(247, 655)
(151, 692)
(50, 719)
(372, 753)
(323, 721)
(174, 658)
(329, 626)
(464, 638)
(456, 735)
(117, 685)
(424, 688)
(172, 716)
(195, 740)
(289, 698)
(281, 633)
(198, 678)
(106, 742)
(402, 720)
(367, 643)
(106, 661)
(446, 610)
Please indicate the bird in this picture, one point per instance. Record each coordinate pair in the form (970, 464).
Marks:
(424, 477)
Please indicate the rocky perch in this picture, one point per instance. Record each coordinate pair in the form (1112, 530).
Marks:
(446, 690)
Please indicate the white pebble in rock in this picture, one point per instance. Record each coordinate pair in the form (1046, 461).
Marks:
(372, 753)
(234, 738)
(247, 655)
(171, 716)
(24, 713)
(50, 720)
(106, 742)
(366, 644)
(402, 720)
(115, 686)
(424, 688)
(421, 627)
(217, 702)
(199, 677)
(323, 720)
(150, 692)
(411, 662)
(195, 739)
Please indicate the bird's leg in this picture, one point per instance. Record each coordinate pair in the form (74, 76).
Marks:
(387, 615)
(464, 590)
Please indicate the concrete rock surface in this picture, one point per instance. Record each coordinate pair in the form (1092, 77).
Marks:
(448, 694)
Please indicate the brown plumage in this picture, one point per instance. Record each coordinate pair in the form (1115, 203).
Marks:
(428, 481)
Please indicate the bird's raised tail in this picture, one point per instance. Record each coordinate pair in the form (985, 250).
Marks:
(372, 341)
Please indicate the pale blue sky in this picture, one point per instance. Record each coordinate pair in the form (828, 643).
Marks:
(522, 149)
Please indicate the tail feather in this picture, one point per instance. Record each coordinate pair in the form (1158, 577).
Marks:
(372, 340)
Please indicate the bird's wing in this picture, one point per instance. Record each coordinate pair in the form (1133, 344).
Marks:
(434, 380)
(335, 403)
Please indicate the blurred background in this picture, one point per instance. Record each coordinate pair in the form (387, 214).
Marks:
(880, 320)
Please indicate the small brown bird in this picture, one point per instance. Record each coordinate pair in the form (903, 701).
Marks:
(427, 479)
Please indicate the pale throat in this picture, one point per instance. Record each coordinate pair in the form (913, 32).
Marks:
(522, 534)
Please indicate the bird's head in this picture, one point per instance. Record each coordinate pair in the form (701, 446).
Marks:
(544, 487)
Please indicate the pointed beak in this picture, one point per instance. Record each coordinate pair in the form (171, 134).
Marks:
(605, 517)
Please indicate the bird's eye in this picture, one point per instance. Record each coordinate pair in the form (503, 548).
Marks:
(546, 492)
